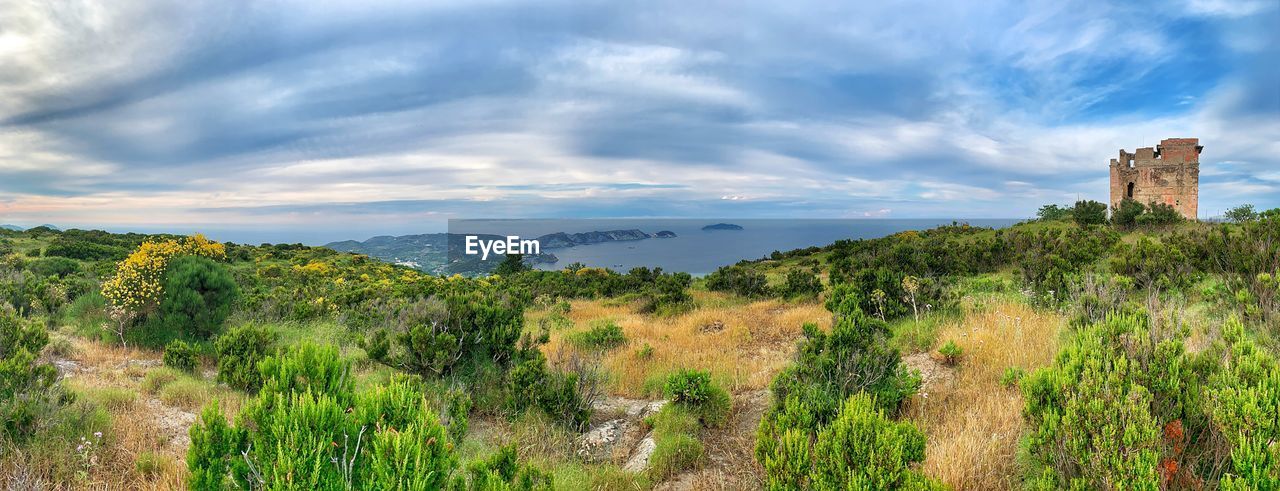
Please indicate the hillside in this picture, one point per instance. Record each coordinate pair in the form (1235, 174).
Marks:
(970, 339)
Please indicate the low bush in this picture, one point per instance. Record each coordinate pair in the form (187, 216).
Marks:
(676, 445)
(740, 280)
(26, 384)
(309, 428)
(602, 337)
(694, 390)
(180, 355)
(951, 353)
(239, 350)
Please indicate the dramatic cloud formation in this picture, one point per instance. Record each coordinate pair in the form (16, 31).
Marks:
(319, 120)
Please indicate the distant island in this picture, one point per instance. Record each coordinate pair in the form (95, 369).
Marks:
(430, 252)
(723, 226)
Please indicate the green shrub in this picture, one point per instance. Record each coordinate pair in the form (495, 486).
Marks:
(951, 353)
(562, 396)
(740, 280)
(1126, 213)
(1089, 212)
(602, 337)
(197, 298)
(460, 332)
(1159, 214)
(645, 352)
(801, 283)
(25, 384)
(308, 428)
(239, 350)
(859, 449)
(180, 355)
(1012, 376)
(676, 444)
(694, 390)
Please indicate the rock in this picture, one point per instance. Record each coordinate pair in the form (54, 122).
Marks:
(600, 443)
(639, 461)
(714, 326)
(174, 424)
(67, 368)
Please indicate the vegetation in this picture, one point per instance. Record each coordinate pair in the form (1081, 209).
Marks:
(336, 371)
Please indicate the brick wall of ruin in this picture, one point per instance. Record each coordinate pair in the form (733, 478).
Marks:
(1168, 173)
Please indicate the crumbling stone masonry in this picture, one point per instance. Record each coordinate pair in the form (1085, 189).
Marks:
(1168, 173)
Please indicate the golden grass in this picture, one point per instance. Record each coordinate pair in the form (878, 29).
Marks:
(972, 422)
(743, 346)
(144, 446)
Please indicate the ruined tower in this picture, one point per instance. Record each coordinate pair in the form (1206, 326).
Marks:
(1168, 173)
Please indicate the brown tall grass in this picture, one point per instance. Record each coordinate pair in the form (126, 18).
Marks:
(743, 346)
(972, 422)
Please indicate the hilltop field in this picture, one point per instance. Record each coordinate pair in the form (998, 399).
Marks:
(1064, 352)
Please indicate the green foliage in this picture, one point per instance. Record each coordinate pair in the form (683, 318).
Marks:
(25, 383)
(676, 444)
(1012, 376)
(1121, 409)
(239, 350)
(565, 397)
(694, 390)
(198, 296)
(180, 355)
(1152, 264)
(669, 295)
(859, 449)
(1127, 212)
(855, 360)
(1053, 213)
(854, 357)
(512, 264)
(951, 353)
(1241, 214)
(801, 283)
(1160, 214)
(459, 331)
(53, 266)
(739, 279)
(309, 429)
(602, 337)
(1089, 212)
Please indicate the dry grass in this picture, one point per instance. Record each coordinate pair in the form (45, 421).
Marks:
(972, 422)
(144, 445)
(742, 346)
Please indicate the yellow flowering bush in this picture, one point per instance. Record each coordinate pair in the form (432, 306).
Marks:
(137, 284)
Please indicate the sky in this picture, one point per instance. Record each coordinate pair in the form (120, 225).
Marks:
(313, 120)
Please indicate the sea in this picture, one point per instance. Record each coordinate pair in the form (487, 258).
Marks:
(695, 250)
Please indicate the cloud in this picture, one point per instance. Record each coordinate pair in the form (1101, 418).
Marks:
(400, 114)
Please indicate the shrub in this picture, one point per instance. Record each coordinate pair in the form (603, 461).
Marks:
(25, 383)
(239, 350)
(1089, 213)
(461, 331)
(801, 283)
(1012, 376)
(1241, 214)
(197, 298)
(1053, 212)
(694, 390)
(60, 267)
(308, 428)
(602, 337)
(180, 355)
(565, 397)
(859, 449)
(645, 352)
(1159, 214)
(740, 280)
(676, 445)
(951, 353)
(1126, 213)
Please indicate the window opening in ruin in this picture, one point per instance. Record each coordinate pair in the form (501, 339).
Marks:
(1129, 193)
